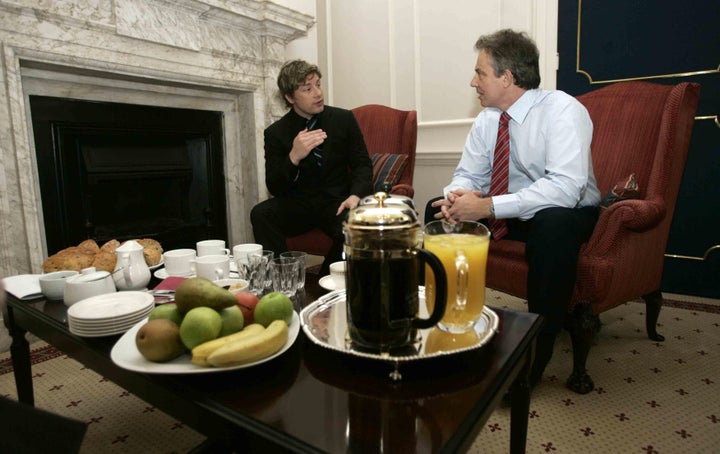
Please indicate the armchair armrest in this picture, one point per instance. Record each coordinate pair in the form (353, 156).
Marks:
(403, 189)
(621, 218)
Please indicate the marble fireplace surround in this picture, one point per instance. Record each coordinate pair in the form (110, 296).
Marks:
(220, 55)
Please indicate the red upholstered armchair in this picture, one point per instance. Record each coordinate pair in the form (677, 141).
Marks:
(639, 128)
(387, 132)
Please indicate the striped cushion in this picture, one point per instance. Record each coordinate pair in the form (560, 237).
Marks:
(387, 168)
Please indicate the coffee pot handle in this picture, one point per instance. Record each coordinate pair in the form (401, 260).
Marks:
(440, 290)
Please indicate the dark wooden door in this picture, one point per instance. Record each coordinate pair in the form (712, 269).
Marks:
(668, 42)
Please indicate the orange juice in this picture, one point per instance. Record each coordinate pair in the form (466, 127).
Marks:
(464, 257)
(443, 341)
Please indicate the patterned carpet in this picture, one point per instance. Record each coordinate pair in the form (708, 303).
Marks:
(652, 398)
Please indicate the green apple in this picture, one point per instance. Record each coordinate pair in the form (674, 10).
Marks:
(200, 324)
(273, 306)
(232, 320)
(169, 311)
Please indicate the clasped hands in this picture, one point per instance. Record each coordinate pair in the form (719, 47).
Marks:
(463, 205)
(305, 142)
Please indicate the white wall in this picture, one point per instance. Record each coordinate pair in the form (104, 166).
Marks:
(418, 54)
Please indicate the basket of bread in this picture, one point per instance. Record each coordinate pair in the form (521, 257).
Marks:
(103, 258)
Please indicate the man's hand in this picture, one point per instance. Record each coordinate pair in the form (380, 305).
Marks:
(349, 203)
(468, 205)
(444, 204)
(304, 143)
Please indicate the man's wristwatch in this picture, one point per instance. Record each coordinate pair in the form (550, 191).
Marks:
(492, 209)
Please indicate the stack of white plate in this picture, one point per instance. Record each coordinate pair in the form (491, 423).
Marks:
(108, 314)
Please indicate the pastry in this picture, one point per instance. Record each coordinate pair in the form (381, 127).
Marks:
(72, 258)
(110, 246)
(104, 258)
(152, 251)
(105, 261)
(90, 245)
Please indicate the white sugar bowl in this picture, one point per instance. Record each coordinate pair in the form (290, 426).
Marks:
(86, 284)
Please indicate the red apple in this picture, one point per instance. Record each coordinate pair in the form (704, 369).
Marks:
(247, 302)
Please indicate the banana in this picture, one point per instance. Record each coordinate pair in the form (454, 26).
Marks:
(251, 348)
(202, 351)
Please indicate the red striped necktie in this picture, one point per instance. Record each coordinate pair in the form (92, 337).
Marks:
(499, 179)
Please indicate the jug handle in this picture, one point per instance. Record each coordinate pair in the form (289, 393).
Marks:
(440, 290)
(126, 269)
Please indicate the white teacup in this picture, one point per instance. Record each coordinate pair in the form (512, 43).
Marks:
(213, 267)
(211, 247)
(86, 284)
(337, 274)
(241, 252)
(52, 284)
(179, 262)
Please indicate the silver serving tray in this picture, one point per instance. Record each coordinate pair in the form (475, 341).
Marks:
(325, 323)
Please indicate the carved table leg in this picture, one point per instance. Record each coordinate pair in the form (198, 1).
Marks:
(653, 304)
(520, 397)
(20, 352)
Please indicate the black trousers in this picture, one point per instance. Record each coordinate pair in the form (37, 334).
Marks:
(553, 238)
(277, 218)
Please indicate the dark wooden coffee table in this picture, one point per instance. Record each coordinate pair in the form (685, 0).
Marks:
(312, 399)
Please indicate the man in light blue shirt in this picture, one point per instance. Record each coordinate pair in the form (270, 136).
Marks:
(552, 197)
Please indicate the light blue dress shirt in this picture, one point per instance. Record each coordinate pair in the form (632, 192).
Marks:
(550, 161)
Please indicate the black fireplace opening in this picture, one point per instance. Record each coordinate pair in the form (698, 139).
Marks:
(122, 171)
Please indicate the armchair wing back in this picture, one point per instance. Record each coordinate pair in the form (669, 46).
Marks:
(639, 128)
(391, 131)
(386, 131)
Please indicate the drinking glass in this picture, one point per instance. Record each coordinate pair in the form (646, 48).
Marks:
(284, 275)
(301, 258)
(462, 249)
(259, 274)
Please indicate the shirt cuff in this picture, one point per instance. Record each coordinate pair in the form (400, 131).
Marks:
(505, 206)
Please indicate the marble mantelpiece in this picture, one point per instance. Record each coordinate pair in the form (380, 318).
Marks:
(220, 55)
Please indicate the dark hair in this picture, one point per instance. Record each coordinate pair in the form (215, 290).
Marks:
(292, 75)
(514, 51)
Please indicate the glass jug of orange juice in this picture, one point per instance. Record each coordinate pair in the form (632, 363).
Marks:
(462, 249)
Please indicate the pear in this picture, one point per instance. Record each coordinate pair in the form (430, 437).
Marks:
(159, 340)
(198, 291)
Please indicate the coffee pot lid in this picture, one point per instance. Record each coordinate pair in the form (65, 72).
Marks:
(381, 215)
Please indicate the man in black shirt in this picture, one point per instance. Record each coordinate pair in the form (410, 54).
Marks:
(316, 165)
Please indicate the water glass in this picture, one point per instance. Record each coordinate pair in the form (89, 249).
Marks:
(259, 274)
(301, 258)
(284, 275)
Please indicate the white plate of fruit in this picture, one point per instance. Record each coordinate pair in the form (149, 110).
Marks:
(206, 330)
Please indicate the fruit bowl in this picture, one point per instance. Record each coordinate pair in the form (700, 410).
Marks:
(126, 355)
(233, 285)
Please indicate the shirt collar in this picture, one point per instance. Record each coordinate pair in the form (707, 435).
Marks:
(520, 108)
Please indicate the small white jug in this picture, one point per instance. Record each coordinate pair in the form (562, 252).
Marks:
(131, 271)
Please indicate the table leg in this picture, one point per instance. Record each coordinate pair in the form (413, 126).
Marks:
(520, 394)
(22, 367)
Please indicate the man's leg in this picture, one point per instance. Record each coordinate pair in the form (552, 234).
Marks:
(552, 247)
(332, 225)
(275, 219)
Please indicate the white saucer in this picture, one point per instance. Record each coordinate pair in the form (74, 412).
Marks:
(163, 274)
(327, 283)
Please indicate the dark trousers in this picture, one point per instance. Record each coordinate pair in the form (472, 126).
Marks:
(277, 218)
(553, 238)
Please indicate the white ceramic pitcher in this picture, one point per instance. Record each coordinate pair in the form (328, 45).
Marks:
(131, 271)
